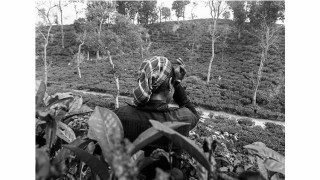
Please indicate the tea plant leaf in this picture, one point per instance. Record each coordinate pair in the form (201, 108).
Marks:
(42, 164)
(64, 153)
(262, 168)
(275, 166)
(276, 177)
(40, 92)
(152, 134)
(76, 104)
(50, 133)
(82, 110)
(107, 128)
(58, 103)
(94, 163)
(264, 152)
(183, 142)
(58, 96)
(65, 132)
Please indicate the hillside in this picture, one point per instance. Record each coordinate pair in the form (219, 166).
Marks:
(236, 67)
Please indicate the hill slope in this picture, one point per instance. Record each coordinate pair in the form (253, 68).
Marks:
(236, 66)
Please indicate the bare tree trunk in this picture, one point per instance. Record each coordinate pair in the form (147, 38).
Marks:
(210, 64)
(239, 34)
(116, 80)
(98, 56)
(263, 58)
(212, 57)
(78, 62)
(61, 24)
(45, 63)
(88, 56)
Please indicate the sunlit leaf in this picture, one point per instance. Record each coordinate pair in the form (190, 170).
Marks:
(152, 134)
(264, 152)
(275, 166)
(94, 163)
(82, 110)
(76, 104)
(65, 132)
(276, 177)
(183, 142)
(262, 168)
(107, 129)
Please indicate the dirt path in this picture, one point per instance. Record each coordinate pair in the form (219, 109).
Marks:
(206, 112)
(258, 122)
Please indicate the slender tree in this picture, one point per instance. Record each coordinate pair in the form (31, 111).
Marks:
(239, 15)
(166, 13)
(77, 6)
(217, 8)
(100, 13)
(194, 5)
(263, 17)
(147, 12)
(60, 6)
(46, 12)
(179, 7)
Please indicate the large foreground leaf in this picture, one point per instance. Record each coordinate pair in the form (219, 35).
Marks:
(152, 134)
(65, 132)
(107, 130)
(94, 163)
(262, 168)
(275, 166)
(64, 153)
(50, 133)
(183, 142)
(261, 150)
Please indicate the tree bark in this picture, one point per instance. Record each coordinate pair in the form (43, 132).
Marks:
(61, 25)
(116, 81)
(88, 56)
(210, 64)
(98, 56)
(254, 97)
(213, 39)
(78, 62)
(45, 63)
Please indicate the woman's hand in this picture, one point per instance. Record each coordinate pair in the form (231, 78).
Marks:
(180, 71)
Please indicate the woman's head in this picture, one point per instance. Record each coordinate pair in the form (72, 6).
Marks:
(156, 77)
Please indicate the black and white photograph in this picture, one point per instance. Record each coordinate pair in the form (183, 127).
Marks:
(160, 90)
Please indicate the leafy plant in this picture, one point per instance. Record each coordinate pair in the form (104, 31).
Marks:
(270, 162)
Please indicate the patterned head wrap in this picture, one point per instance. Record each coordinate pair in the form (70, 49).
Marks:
(152, 73)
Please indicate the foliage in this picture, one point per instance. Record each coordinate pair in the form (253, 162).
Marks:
(239, 14)
(166, 12)
(179, 7)
(222, 149)
(271, 160)
(147, 12)
(99, 11)
(233, 93)
(246, 122)
(269, 11)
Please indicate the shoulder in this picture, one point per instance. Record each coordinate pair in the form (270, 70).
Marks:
(124, 110)
(185, 112)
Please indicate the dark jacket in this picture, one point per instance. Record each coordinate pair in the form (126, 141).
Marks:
(135, 119)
